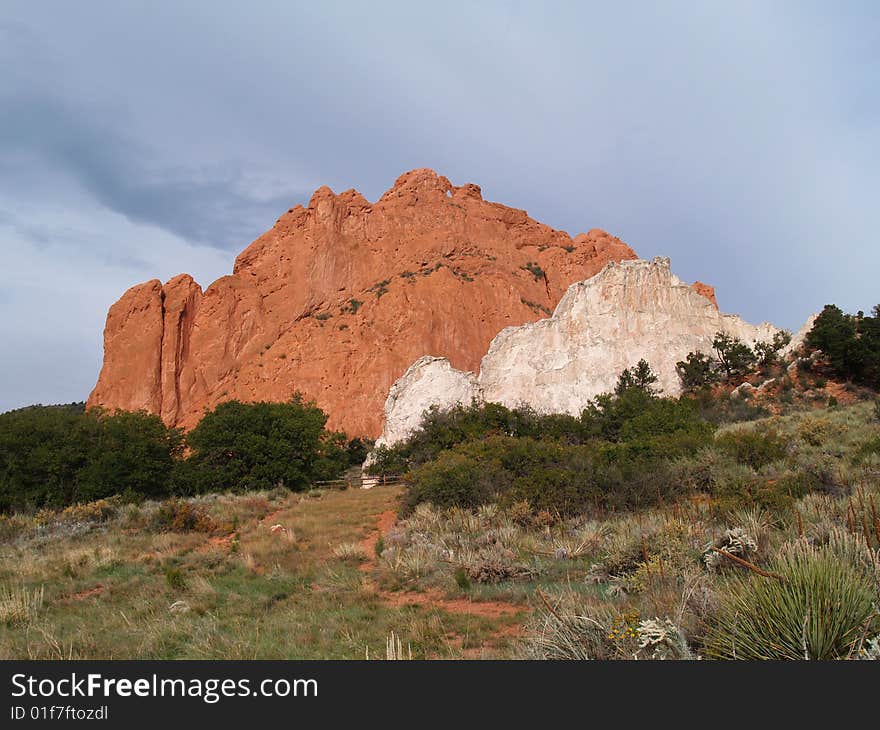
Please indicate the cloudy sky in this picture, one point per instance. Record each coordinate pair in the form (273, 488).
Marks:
(142, 139)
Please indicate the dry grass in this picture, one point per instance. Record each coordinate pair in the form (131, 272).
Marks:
(19, 605)
(252, 593)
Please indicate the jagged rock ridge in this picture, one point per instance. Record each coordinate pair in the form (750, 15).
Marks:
(338, 298)
(631, 310)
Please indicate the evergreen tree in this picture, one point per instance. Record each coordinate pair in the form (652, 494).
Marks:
(240, 446)
(734, 356)
(850, 343)
(639, 376)
(696, 371)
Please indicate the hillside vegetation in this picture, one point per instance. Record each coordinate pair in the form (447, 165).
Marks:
(724, 524)
(276, 574)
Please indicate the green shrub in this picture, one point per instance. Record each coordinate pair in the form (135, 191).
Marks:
(636, 413)
(754, 447)
(452, 480)
(767, 353)
(639, 377)
(736, 490)
(735, 358)
(534, 270)
(633, 414)
(814, 431)
(702, 470)
(357, 449)
(175, 579)
(551, 476)
(697, 371)
(100, 510)
(817, 609)
(744, 490)
(175, 515)
(721, 408)
(535, 307)
(866, 450)
(443, 429)
(241, 446)
(378, 289)
(616, 455)
(11, 526)
(461, 578)
(849, 343)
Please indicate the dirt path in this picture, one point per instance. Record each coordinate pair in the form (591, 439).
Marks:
(432, 598)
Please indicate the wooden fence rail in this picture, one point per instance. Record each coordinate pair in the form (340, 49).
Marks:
(363, 482)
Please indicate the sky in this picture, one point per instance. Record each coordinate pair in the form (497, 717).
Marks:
(139, 140)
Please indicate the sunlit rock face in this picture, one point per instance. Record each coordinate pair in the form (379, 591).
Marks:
(338, 298)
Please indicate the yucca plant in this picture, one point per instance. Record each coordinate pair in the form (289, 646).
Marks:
(571, 636)
(819, 607)
(350, 552)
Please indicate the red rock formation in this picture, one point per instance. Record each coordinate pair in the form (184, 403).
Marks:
(707, 291)
(338, 298)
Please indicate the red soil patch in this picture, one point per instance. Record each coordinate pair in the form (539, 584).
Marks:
(87, 593)
(218, 542)
(839, 391)
(486, 609)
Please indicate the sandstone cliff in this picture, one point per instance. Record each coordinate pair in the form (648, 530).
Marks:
(338, 298)
(603, 325)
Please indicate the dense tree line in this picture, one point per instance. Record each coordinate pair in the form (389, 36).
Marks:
(52, 456)
(850, 344)
(57, 455)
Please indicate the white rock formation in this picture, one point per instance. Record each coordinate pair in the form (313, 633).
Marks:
(799, 337)
(630, 310)
(428, 381)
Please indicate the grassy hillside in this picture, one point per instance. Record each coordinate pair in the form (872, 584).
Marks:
(127, 582)
(335, 574)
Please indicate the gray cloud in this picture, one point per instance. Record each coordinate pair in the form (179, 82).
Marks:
(208, 206)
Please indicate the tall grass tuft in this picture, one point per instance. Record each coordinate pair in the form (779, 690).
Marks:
(350, 552)
(18, 604)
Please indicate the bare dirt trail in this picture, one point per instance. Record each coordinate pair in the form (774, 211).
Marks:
(432, 598)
